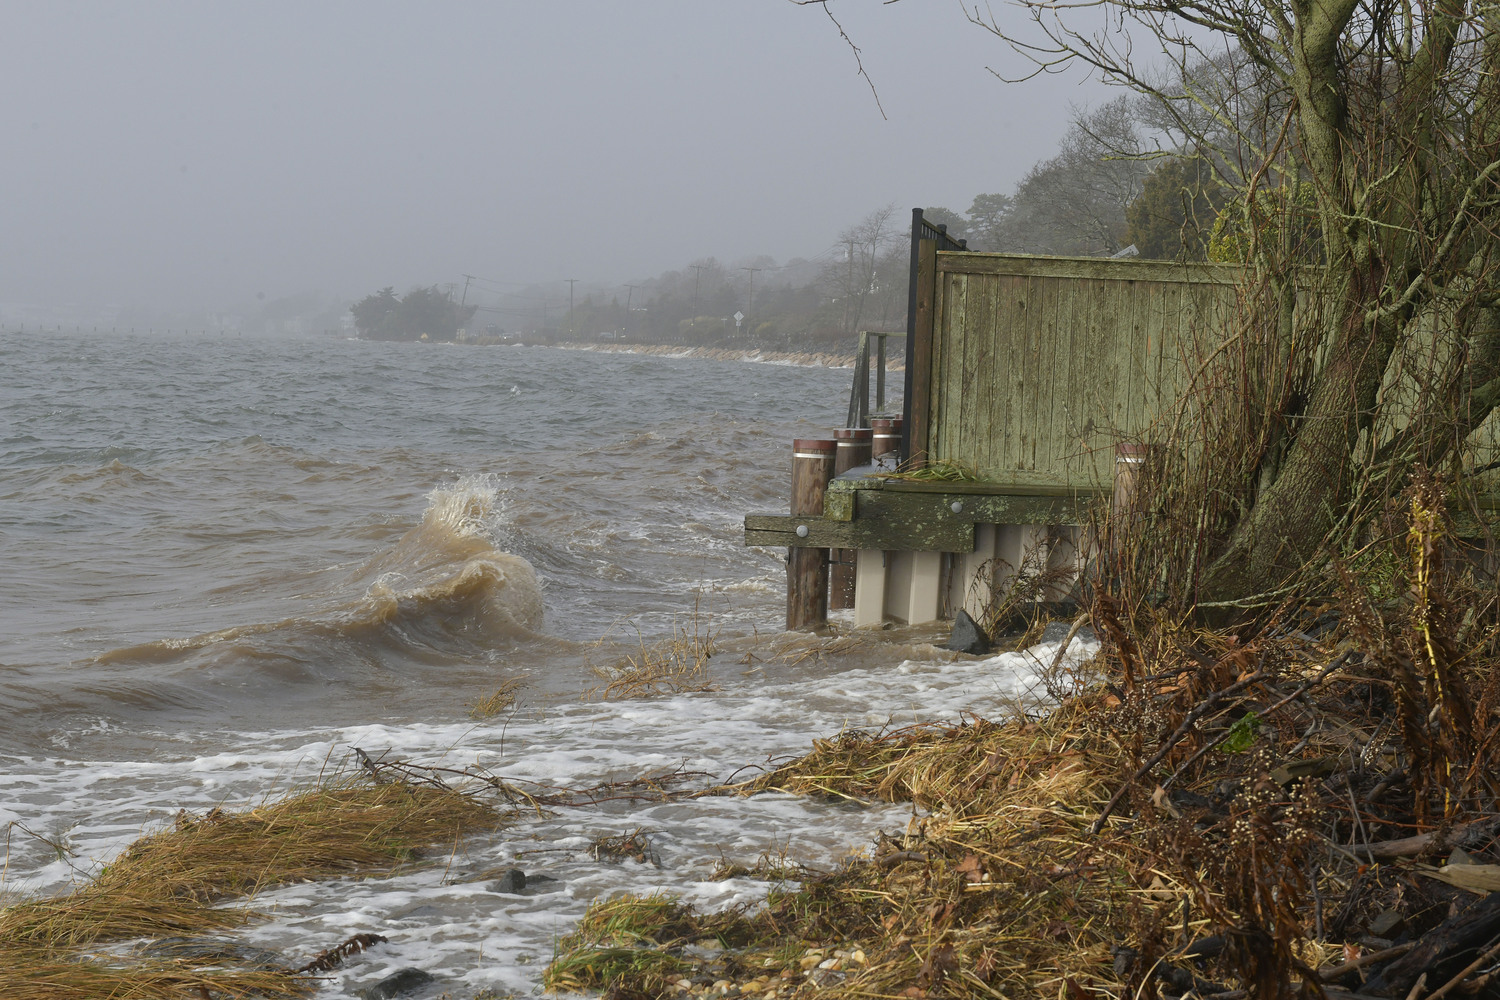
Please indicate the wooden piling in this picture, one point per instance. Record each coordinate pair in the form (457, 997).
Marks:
(886, 436)
(1128, 461)
(854, 445)
(807, 569)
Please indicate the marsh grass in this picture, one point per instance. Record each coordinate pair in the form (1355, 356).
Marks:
(41, 975)
(502, 699)
(940, 471)
(998, 893)
(671, 665)
(175, 881)
(636, 945)
(772, 866)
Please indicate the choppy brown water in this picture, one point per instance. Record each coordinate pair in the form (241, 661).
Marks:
(229, 563)
(229, 530)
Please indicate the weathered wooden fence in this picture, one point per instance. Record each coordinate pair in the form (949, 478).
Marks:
(1036, 367)
(1031, 369)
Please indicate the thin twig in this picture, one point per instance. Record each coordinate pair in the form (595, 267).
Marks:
(1068, 641)
(1187, 724)
(1331, 972)
(852, 48)
(1468, 970)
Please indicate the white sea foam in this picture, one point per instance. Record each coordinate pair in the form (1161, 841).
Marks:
(463, 933)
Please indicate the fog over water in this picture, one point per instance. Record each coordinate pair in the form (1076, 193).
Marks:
(187, 156)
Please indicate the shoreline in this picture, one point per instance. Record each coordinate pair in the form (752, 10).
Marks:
(802, 359)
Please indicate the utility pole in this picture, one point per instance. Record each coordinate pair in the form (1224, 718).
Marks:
(571, 282)
(467, 278)
(849, 285)
(628, 296)
(751, 306)
(698, 270)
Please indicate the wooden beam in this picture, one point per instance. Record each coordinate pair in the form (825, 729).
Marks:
(1104, 268)
(909, 535)
(972, 508)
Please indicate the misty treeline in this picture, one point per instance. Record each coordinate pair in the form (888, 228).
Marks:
(420, 314)
(805, 303)
(1109, 185)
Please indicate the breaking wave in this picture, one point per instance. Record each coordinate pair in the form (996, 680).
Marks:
(443, 587)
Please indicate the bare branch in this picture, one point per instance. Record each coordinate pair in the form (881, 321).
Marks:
(852, 47)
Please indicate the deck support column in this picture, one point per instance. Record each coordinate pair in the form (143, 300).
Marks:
(869, 587)
(913, 586)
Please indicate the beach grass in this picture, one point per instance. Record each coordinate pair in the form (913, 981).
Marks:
(676, 663)
(502, 699)
(175, 882)
(997, 893)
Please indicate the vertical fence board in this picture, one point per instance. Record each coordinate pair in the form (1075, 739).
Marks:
(1038, 365)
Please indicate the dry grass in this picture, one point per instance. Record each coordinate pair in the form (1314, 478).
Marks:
(674, 664)
(940, 471)
(173, 882)
(40, 975)
(502, 699)
(633, 846)
(999, 893)
(772, 866)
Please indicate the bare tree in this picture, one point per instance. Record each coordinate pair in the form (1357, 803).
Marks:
(1075, 202)
(854, 273)
(1361, 137)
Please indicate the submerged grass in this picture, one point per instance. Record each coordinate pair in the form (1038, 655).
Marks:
(499, 700)
(173, 883)
(999, 892)
(676, 663)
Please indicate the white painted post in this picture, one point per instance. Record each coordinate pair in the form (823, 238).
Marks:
(925, 603)
(869, 587)
(898, 585)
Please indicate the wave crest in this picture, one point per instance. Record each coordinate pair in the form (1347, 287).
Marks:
(444, 586)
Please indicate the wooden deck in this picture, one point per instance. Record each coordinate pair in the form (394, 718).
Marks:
(1027, 372)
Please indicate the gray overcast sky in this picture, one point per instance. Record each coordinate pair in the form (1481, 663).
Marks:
(192, 155)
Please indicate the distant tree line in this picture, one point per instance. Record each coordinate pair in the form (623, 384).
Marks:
(1106, 188)
(1109, 187)
(420, 314)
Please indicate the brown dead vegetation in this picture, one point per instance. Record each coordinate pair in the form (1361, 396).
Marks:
(174, 883)
(675, 664)
(1304, 805)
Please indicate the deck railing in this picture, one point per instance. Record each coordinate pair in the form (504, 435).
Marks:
(859, 395)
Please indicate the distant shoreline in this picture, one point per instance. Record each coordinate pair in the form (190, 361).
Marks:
(801, 359)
